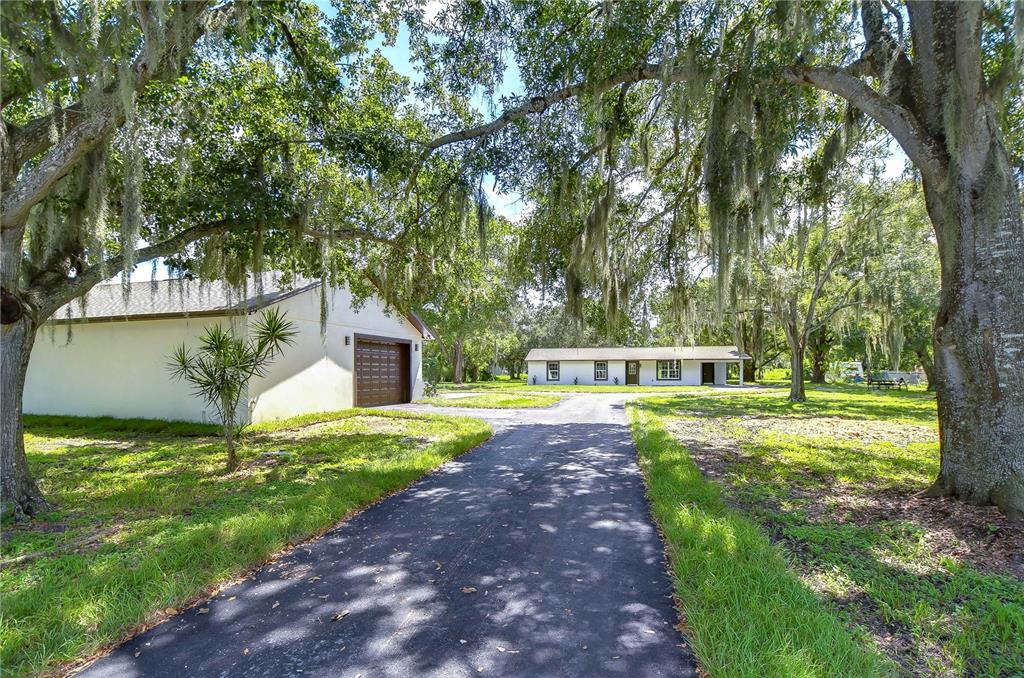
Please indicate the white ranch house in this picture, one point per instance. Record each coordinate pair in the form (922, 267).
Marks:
(656, 366)
(116, 361)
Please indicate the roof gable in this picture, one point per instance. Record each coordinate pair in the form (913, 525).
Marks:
(181, 298)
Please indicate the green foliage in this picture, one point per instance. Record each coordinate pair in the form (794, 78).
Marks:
(172, 526)
(220, 369)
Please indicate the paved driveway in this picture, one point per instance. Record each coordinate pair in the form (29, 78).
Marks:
(533, 555)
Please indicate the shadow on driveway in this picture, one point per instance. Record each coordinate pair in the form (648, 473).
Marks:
(532, 555)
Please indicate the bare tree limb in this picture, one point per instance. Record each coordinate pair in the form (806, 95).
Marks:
(899, 121)
(185, 28)
(540, 103)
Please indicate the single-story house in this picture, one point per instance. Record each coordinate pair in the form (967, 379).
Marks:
(656, 366)
(116, 362)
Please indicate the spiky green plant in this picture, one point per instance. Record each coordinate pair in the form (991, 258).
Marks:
(220, 369)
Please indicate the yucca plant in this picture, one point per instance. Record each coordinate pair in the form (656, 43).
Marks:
(220, 369)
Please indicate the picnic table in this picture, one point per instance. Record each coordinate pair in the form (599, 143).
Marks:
(887, 383)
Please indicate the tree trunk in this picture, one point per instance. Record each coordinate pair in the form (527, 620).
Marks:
(796, 366)
(457, 362)
(229, 438)
(19, 495)
(817, 365)
(979, 335)
(926, 363)
(749, 371)
(940, 109)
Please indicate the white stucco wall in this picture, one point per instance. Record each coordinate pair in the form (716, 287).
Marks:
(119, 368)
(116, 369)
(315, 375)
(584, 369)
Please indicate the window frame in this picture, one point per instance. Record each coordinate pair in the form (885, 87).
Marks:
(679, 370)
(601, 362)
(558, 370)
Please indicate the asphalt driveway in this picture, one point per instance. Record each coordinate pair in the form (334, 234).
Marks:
(533, 555)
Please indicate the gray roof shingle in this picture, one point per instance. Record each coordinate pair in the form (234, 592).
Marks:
(179, 298)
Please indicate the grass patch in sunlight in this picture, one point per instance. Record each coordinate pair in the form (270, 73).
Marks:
(746, 613)
(169, 524)
(833, 481)
(496, 401)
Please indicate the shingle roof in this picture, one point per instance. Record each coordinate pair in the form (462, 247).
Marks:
(631, 353)
(178, 298)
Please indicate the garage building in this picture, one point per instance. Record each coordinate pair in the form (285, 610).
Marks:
(113, 362)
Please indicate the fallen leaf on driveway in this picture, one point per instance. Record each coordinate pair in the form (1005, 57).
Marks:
(245, 651)
(469, 589)
(340, 615)
(276, 603)
(203, 610)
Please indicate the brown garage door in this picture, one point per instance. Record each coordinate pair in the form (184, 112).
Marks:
(382, 372)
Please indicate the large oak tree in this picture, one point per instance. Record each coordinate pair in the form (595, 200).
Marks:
(219, 135)
(697, 92)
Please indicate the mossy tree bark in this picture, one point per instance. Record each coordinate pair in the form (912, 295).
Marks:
(940, 108)
(19, 495)
(796, 368)
(925, 358)
(820, 342)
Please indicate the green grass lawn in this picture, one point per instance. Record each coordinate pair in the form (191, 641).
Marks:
(800, 547)
(497, 400)
(147, 519)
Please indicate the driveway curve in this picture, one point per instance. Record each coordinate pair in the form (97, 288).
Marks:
(532, 555)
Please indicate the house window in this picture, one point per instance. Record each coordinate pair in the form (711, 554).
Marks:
(552, 371)
(669, 370)
(601, 370)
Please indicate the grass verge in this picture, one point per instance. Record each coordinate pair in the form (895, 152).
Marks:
(746, 613)
(497, 401)
(936, 586)
(148, 521)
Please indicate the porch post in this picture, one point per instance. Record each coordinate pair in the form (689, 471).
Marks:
(741, 371)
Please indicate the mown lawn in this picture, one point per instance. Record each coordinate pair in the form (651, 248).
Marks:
(148, 521)
(800, 544)
(496, 400)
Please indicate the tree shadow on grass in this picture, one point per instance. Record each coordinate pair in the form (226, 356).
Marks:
(748, 612)
(875, 557)
(534, 557)
(914, 407)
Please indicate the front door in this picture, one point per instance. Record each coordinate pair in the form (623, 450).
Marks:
(632, 372)
(707, 373)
